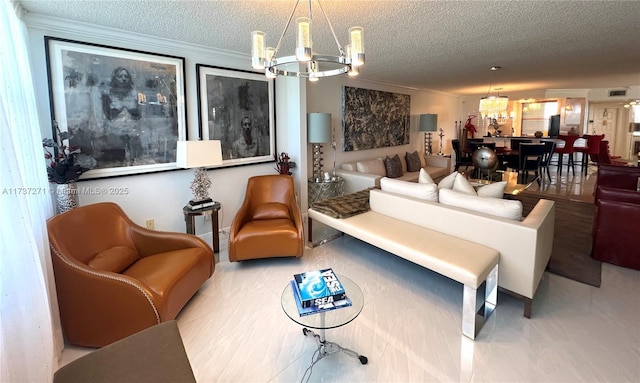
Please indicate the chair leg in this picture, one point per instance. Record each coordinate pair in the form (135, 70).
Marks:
(560, 157)
(570, 163)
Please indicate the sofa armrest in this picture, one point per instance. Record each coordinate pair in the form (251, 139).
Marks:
(150, 242)
(617, 195)
(356, 181)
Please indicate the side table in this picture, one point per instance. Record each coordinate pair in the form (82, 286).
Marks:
(190, 217)
(320, 189)
(326, 320)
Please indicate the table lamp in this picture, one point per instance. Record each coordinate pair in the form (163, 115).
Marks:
(318, 133)
(428, 124)
(199, 154)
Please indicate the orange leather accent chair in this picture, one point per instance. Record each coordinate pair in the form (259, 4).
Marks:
(268, 224)
(115, 278)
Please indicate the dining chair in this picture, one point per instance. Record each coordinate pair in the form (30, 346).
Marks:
(530, 159)
(461, 158)
(549, 149)
(567, 149)
(512, 160)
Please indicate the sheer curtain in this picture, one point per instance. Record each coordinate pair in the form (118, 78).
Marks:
(30, 335)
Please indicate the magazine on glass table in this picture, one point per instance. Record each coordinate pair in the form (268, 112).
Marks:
(318, 287)
(346, 302)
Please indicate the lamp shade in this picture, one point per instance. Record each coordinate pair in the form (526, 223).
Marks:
(428, 122)
(197, 154)
(318, 127)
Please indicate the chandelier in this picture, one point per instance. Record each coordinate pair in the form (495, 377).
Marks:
(494, 107)
(314, 65)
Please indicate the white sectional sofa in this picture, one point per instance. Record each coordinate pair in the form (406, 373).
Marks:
(363, 174)
(524, 245)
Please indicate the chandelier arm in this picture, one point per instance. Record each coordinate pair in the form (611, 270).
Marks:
(330, 27)
(275, 51)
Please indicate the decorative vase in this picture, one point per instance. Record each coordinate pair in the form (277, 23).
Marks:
(66, 197)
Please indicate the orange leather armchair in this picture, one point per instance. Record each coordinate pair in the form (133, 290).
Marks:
(268, 224)
(115, 278)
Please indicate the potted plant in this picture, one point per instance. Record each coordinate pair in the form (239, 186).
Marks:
(65, 164)
(284, 163)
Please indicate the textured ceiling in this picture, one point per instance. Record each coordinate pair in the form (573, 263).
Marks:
(441, 45)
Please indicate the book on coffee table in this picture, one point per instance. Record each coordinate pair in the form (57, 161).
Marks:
(346, 302)
(319, 287)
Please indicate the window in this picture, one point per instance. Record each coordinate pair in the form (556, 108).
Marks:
(535, 116)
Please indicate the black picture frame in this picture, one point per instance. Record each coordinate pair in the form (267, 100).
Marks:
(123, 107)
(227, 100)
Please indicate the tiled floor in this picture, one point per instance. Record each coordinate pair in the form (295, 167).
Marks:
(234, 329)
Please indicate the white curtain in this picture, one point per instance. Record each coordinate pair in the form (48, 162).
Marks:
(30, 336)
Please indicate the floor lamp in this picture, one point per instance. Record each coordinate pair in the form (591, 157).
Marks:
(428, 124)
(318, 133)
(199, 154)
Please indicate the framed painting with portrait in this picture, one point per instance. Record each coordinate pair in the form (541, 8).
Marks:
(125, 109)
(237, 107)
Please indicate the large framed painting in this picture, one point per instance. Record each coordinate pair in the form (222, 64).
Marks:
(125, 109)
(374, 119)
(237, 107)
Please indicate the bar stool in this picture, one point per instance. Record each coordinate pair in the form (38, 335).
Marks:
(568, 149)
(591, 150)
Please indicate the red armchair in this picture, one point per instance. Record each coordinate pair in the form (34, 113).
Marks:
(615, 227)
(604, 157)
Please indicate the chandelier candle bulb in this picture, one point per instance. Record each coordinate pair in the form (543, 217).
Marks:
(257, 50)
(303, 48)
(357, 46)
(269, 52)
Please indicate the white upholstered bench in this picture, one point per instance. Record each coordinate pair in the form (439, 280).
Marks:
(461, 260)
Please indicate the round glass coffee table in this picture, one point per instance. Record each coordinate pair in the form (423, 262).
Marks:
(326, 320)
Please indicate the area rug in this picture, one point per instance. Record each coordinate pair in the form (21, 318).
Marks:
(571, 255)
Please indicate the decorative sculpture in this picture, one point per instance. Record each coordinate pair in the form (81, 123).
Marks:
(485, 160)
(441, 135)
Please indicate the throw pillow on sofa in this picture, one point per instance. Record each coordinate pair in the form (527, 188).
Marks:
(425, 178)
(494, 190)
(504, 208)
(393, 166)
(427, 192)
(375, 166)
(413, 161)
(458, 182)
(447, 182)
